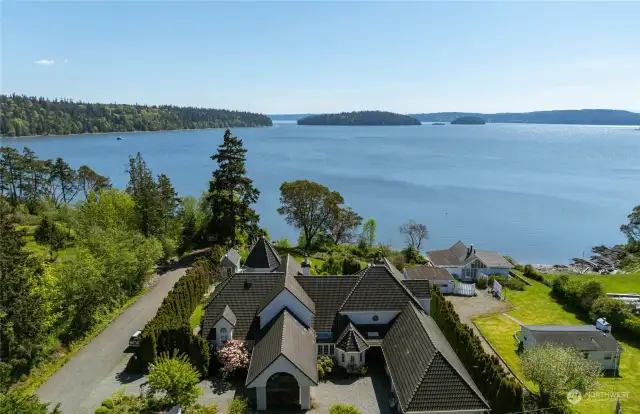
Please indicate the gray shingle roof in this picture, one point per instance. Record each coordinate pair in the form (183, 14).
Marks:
(351, 340)
(290, 266)
(443, 258)
(377, 289)
(580, 337)
(263, 256)
(285, 336)
(426, 372)
(328, 293)
(233, 257)
(394, 270)
(420, 288)
(459, 250)
(491, 259)
(243, 293)
(426, 272)
(288, 282)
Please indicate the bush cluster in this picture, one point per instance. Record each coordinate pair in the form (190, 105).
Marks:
(590, 298)
(170, 330)
(530, 272)
(343, 409)
(506, 282)
(503, 393)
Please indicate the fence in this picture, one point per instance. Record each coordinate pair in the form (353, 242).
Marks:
(464, 289)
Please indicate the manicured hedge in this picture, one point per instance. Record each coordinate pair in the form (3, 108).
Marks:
(503, 393)
(531, 273)
(170, 328)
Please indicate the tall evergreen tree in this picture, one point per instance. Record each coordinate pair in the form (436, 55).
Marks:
(144, 191)
(89, 180)
(22, 308)
(231, 193)
(64, 182)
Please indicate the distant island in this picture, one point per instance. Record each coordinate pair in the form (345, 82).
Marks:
(359, 118)
(572, 117)
(468, 120)
(438, 123)
(22, 115)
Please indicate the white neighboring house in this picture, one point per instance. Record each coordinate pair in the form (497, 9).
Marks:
(466, 263)
(436, 276)
(595, 344)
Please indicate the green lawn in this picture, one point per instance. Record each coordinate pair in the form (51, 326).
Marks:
(39, 249)
(535, 306)
(629, 283)
(197, 315)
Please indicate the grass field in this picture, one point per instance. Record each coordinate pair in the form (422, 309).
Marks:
(535, 306)
(629, 283)
(197, 315)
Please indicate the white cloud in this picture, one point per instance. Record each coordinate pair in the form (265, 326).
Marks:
(44, 62)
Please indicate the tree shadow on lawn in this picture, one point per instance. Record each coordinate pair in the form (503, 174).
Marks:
(124, 377)
(220, 386)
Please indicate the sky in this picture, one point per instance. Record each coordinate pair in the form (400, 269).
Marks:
(312, 57)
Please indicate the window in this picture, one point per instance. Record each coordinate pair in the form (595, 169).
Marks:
(361, 355)
(444, 286)
(353, 359)
(607, 356)
(325, 349)
(223, 330)
(319, 349)
(375, 318)
(586, 355)
(224, 339)
(342, 357)
(373, 334)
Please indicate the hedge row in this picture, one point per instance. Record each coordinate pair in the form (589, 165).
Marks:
(590, 297)
(503, 393)
(170, 329)
(530, 272)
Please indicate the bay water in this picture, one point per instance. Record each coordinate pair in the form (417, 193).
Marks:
(540, 193)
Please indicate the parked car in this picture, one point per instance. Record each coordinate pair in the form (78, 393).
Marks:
(135, 339)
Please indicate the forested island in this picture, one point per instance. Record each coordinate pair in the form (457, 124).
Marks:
(468, 120)
(359, 118)
(22, 115)
(572, 117)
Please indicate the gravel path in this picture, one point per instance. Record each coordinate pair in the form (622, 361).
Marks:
(92, 374)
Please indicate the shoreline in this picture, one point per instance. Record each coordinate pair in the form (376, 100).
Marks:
(126, 132)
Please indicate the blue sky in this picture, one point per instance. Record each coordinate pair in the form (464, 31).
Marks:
(298, 57)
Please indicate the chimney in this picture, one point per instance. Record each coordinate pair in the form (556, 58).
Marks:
(247, 284)
(306, 266)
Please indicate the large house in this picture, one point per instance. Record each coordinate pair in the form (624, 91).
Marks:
(466, 263)
(289, 319)
(595, 342)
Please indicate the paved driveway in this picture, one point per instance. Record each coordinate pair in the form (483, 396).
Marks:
(92, 374)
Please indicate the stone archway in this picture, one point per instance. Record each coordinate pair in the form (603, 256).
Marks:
(283, 392)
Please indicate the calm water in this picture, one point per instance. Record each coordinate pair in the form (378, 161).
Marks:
(541, 193)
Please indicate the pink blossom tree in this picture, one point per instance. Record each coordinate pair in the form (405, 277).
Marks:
(233, 355)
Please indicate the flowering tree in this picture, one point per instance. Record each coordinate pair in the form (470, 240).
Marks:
(233, 355)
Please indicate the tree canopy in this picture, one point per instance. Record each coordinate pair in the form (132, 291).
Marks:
(309, 206)
(22, 115)
(415, 233)
(360, 118)
(176, 378)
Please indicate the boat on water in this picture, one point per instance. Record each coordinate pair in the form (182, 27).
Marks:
(119, 138)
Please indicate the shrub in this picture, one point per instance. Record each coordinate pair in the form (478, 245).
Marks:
(364, 370)
(343, 409)
(530, 272)
(176, 378)
(398, 261)
(333, 266)
(481, 283)
(283, 243)
(509, 283)
(325, 366)
(108, 402)
(351, 265)
(201, 409)
(239, 405)
(233, 355)
(101, 410)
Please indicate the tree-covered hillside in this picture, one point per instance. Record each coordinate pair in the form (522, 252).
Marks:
(572, 117)
(28, 115)
(359, 118)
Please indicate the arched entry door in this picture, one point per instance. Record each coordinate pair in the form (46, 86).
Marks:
(283, 392)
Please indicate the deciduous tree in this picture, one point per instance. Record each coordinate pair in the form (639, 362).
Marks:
(233, 355)
(176, 378)
(415, 233)
(369, 232)
(632, 228)
(309, 206)
(557, 370)
(89, 180)
(343, 227)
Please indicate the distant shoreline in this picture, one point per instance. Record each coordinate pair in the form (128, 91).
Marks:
(125, 132)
